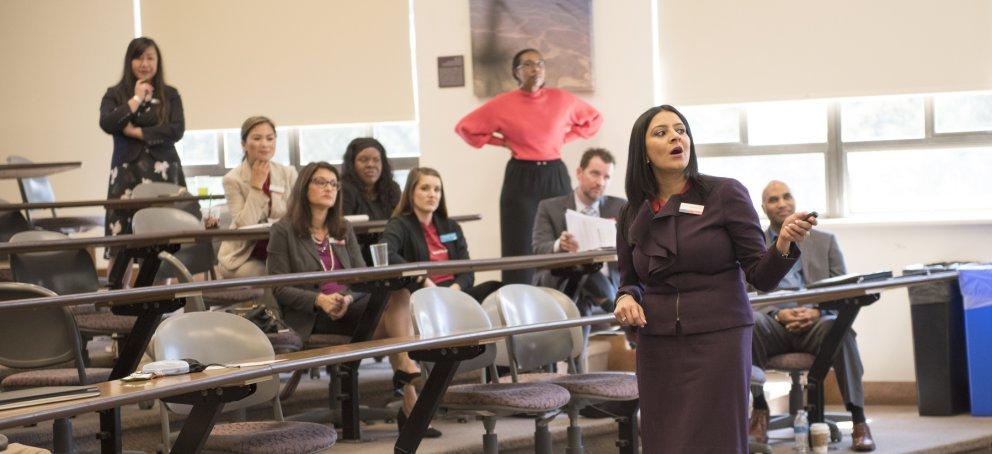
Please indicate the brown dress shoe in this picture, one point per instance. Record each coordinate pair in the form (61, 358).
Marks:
(861, 440)
(758, 426)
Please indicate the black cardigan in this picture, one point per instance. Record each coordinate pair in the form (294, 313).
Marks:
(160, 140)
(406, 241)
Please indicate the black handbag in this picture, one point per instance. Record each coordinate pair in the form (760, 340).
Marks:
(264, 319)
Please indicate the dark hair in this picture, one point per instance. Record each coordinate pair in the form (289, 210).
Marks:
(516, 62)
(600, 153)
(385, 189)
(299, 212)
(412, 180)
(641, 184)
(125, 87)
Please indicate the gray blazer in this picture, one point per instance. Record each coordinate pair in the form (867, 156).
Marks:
(550, 222)
(288, 253)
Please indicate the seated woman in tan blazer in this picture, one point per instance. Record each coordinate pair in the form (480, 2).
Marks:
(313, 237)
(257, 192)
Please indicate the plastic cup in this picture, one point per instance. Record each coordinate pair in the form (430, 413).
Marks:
(380, 254)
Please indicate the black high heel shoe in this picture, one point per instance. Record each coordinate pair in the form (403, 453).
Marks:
(401, 421)
(401, 379)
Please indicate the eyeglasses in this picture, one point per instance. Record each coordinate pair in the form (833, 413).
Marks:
(530, 64)
(322, 183)
(368, 160)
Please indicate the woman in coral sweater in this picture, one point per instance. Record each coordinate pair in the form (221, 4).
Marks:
(533, 122)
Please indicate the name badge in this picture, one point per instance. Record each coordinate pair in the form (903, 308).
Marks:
(691, 208)
(449, 237)
(275, 188)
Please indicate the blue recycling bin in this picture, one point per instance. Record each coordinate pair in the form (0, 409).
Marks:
(976, 292)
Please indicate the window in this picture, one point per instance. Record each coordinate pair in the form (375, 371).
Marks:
(962, 112)
(894, 118)
(328, 143)
(873, 156)
(401, 140)
(233, 152)
(936, 179)
(714, 124)
(790, 122)
(804, 173)
(198, 148)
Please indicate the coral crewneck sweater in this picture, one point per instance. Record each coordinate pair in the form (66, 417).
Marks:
(533, 125)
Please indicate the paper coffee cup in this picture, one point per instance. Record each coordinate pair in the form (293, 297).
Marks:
(819, 434)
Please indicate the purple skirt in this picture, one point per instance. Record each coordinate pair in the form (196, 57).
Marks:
(694, 391)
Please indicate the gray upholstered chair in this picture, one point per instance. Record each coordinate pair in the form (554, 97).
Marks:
(222, 338)
(797, 364)
(68, 272)
(39, 190)
(196, 258)
(61, 345)
(524, 305)
(440, 311)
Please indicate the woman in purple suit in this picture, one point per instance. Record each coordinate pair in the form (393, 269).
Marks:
(686, 243)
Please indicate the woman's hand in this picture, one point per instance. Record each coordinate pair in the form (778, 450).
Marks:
(334, 305)
(143, 90)
(455, 286)
(628, 312)
(133, 132)
(259, 173)
(429, 283)
(795, 228)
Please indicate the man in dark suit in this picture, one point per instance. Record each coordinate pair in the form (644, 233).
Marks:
(550, 234)
(787, 328)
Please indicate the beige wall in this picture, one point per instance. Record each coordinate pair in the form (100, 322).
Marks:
(58, 58)
(301, 62)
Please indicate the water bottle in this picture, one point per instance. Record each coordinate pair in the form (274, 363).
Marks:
(801, 428)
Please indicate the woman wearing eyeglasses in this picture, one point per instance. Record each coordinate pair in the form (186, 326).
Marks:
(315, 237)
(533, 122)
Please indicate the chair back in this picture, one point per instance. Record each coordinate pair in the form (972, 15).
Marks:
(33, 338)
(566, 304)
(215, 338)
(33, 190)
(161, 189)
(198, 257)
(64, 272)
(491, 306)
(526, 305)
(440, 311)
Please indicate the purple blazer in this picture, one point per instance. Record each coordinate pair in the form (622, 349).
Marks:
(687, 271)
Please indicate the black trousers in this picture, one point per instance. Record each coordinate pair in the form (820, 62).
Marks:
(478, 291)
(525, 184)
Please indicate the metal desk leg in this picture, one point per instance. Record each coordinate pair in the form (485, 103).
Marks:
(207, 407)
(350, 396)
(847, 311)
(446, 363)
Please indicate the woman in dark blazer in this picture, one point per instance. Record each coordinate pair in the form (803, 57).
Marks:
(315, 237)
(145, 118)
(367, 186)
(420, 231)
(686, 243)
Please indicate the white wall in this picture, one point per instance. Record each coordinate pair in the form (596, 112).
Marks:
(884, 328)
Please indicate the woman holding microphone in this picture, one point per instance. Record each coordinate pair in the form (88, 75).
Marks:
(145, 118)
